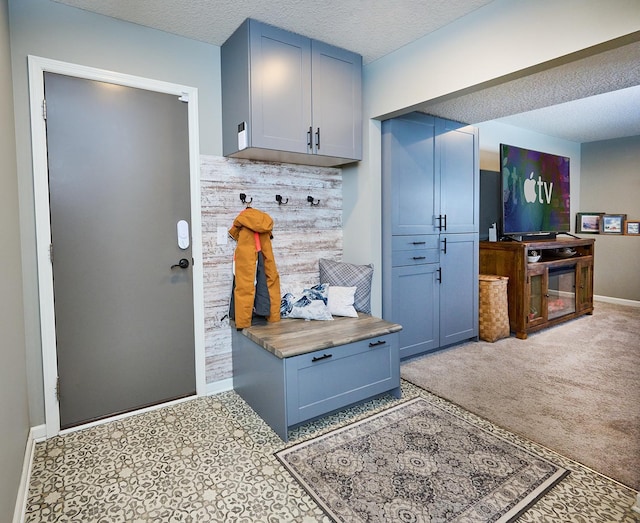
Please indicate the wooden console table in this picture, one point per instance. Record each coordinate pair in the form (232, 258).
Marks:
(554, 289)
(293, 371)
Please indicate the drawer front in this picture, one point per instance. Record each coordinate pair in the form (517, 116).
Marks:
(323, 381)
(414, 250)
(417, 257)
(414, 242)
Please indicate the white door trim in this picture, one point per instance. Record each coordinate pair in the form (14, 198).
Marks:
(37, 67)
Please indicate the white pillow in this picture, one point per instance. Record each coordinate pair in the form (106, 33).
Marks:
(340, 301)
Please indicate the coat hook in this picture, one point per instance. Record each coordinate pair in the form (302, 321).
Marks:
(310, 200)
(243, 199)
(279, 200)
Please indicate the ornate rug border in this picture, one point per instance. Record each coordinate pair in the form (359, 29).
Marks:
(510, 516)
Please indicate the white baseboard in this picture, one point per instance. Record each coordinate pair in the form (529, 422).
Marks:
(217, 387)
(25, 478)
(617, 301)
(39, 433)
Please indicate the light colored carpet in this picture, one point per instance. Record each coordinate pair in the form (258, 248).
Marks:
(574, 388)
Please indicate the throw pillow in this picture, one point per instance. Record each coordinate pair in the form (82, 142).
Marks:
(310, 305)
(340, 301)
(343, 274)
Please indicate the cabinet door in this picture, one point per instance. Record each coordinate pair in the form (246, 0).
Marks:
(458, 288)
(457, 155)
(336, 77)
(415, 295)
(280, 89)
(409, 190)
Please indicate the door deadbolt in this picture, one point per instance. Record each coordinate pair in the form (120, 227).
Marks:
(183, 264)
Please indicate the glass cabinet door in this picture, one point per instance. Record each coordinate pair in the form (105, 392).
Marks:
(537, 299)
(584, 285)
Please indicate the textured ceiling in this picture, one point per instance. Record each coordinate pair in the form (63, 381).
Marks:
(588, 99)
(371, 28)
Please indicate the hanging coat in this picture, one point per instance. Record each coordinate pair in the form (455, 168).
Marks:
(252, 230)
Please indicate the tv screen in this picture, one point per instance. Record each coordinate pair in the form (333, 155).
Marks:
(535, 191)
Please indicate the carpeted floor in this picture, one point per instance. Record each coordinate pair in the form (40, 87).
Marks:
(574, 388)
(212, 460)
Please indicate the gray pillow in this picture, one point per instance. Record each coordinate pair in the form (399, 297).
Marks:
(343, 274)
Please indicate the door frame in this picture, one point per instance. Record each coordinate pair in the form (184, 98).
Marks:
(37, 67)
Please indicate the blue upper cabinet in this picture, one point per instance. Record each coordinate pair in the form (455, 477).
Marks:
(432, 184)
(289, 98)
(458, 164)
(410, 186)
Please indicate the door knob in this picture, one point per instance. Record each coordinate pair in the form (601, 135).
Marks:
(183, 264)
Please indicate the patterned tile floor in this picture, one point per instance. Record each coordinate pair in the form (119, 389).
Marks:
(212, 460)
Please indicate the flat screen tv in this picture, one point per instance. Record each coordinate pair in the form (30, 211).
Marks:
(535, 192)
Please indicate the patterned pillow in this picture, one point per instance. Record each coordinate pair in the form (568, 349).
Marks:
(343, 274)
(310, 305)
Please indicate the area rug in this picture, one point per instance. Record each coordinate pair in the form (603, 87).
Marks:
(417, 462)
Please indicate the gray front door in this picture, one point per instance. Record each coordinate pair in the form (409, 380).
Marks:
(118, 160)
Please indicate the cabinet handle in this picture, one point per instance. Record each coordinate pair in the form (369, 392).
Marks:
(419, 257)
(439, 278)
(323, 357)
(439, 218)
(418, 243)
(445, 222)
(444, 242)
(377, 343)
(309, 138)
(318, 139)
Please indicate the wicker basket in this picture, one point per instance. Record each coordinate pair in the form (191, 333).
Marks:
(494, 308)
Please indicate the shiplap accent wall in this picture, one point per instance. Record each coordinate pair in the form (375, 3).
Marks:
(302, 234)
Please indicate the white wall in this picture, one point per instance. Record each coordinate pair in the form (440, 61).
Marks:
(503, 38)
(51, 30)
(14, 413)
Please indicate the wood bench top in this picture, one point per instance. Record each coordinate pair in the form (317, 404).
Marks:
(292, 337)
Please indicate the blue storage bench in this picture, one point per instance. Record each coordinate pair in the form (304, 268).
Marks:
(294, 371)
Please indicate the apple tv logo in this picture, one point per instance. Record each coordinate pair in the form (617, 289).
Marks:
(530, 192)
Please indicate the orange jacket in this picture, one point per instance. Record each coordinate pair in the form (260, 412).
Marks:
(247, 223)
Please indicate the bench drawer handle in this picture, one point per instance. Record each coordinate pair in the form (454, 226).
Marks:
(323, 357)
(375, 344)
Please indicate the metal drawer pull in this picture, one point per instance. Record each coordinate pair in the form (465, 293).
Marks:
(376, 343)
(418, 243)
(419, 257)
(323, 357)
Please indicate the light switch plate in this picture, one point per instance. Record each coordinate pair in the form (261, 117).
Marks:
(221, 236)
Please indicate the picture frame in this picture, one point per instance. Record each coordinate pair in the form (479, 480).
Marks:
(612, 223)
(588, 222)
(632, 227)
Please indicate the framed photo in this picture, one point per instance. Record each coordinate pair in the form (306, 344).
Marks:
(612, 223)
(632, 227)
(588, 222)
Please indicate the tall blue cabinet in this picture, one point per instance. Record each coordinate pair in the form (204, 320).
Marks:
(430, 189)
